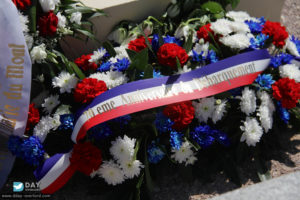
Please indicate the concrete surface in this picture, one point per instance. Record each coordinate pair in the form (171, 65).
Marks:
(286, 187)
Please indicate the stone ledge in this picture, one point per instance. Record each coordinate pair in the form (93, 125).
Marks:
(286, 187)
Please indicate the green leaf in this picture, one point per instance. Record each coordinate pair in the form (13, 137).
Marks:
(77, 71)
(188, 44)
(148, 72)
(212, 7)
(32, 16)
(179, 68)
(138, 187)
(140, 61)
(234, 3)
(88, 34)
(109, 48)
(136, 149)
(131, 53)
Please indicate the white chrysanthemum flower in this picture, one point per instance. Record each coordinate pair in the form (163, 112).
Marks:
(239, 16)
(122, 149)
(54, 122)
(111, 173)
(121, 52)
(76, 18)
(248, 101)
(204, 109)
(183, 70)
(29, 40)
(63, 109)
(43, 128)
(184, 154)
(62, 20)
(97, 55)
(50, 103)
(65, 81)
(23, 21)
(219, 111)
(239, 27)
(266, 100)
(290, 71)
(191, 160)
(48, 5)
(252, 131)
(111, 78)
(38, 53)
(198, 48)
(291, 47)
(265, 116)
(221, 26)
(236, 41)
(131, 168)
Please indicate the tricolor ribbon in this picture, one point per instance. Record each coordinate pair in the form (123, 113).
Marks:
(141, 95)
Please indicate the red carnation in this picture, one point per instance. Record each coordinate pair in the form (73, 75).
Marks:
(86, 158)
(168, 52)
(22, 4)
(33, 117)
(181, 113)
(278, 32)
(88, 89)
(48, 24)
(204, 31)
(287, 91)
(84, 63)
(138, 44)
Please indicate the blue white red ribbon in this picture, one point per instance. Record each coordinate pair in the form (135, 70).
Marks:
(141, 95)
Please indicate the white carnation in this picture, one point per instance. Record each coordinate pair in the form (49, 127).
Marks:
(248, 101)
(23, 21)
(76, 18)
(252, 131)
(290, 71)
(38, 53)
(221, 26)
(111, 173)
(237, 41)
(122, 149)
(62, 20)
(204, 109)
(131, 168)
(29, 40)
(65, 81)
(185, 154)
(50, 103)
(219, 111)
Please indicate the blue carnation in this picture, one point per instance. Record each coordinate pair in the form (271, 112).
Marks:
(258, 42)
(122, 64)
(176, 139)
(155, 154)
(169, 39)
(33, 151)
(255, 27)
(104, 67)
(221, 137)
(14, 145)
(162, 123)
(265, 81)
(296, 42)
(281, 59)
(212, 57)
(283, 113)
(203, 135)
(67, 122)
(101, 131)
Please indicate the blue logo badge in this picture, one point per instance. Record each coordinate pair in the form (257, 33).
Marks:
(18, 186)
